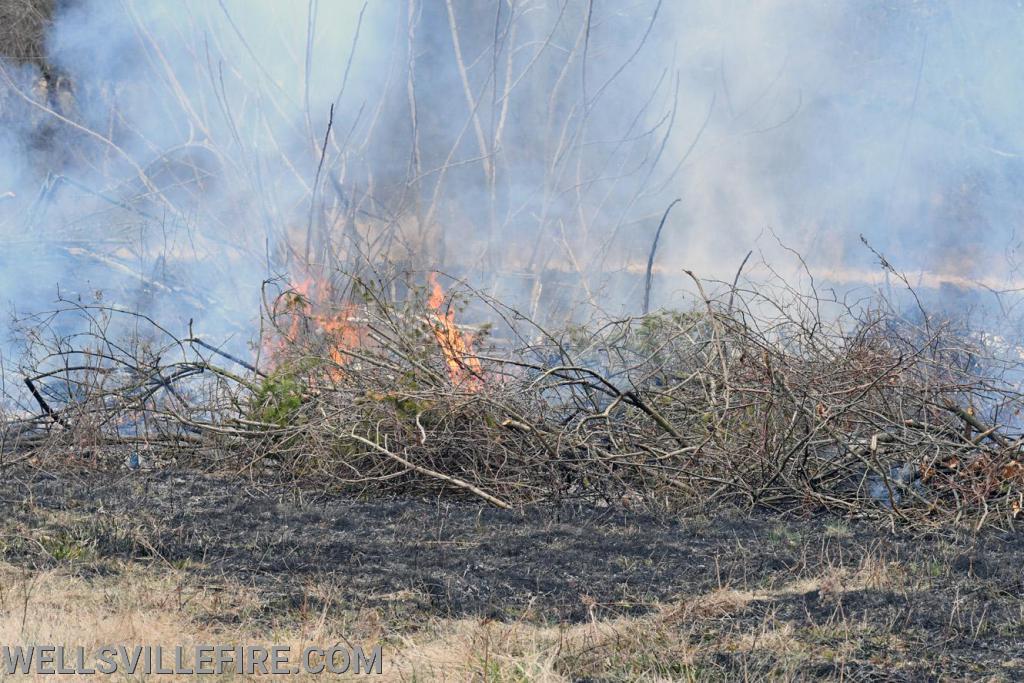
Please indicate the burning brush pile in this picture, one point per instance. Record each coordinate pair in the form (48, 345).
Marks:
(754, 396)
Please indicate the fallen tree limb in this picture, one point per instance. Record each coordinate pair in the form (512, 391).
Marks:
(986, 431)
(475, 490)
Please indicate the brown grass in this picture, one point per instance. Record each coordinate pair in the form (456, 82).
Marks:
(146, 606)
(161, 606)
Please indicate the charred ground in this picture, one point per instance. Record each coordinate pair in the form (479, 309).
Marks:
(851, 597)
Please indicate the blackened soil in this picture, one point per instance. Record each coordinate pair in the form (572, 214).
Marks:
(444, 558)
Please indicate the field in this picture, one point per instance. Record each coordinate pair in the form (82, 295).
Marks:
(526, 341)
(457, 591)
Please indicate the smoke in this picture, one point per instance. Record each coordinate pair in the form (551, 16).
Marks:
(832, 120)
(178, 154)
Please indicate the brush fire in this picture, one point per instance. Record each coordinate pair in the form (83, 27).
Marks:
(646, 260)
(309, 309)
(464, 368)
(270, 284)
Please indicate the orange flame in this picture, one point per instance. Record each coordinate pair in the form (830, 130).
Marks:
(340, 328)
(344, 333)
(312, 297)
(463, 367)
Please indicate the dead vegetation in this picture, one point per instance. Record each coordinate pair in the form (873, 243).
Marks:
(23, 25)
(749, 393)
(755, 396)
(758, 596)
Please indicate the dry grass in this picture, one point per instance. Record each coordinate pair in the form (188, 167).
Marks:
(788, 602)
(676, 641)
(147, 606)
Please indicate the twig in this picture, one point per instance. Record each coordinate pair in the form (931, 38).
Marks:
(316, 184)
(986, 430)
(497, 502)
(650, 258)
(42, 402)
(225, 354)
(735, 280)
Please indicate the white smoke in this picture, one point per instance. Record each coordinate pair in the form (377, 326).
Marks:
(182, 141)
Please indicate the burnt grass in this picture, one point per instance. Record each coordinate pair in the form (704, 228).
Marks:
(956, 607)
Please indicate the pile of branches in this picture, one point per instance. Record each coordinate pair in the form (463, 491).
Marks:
(754, 396)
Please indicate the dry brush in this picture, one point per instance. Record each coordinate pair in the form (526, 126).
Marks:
(754, 396)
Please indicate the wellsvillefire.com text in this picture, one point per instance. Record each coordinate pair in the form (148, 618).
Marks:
(156, 660)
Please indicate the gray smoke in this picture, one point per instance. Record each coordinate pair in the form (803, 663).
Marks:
(176, 154)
